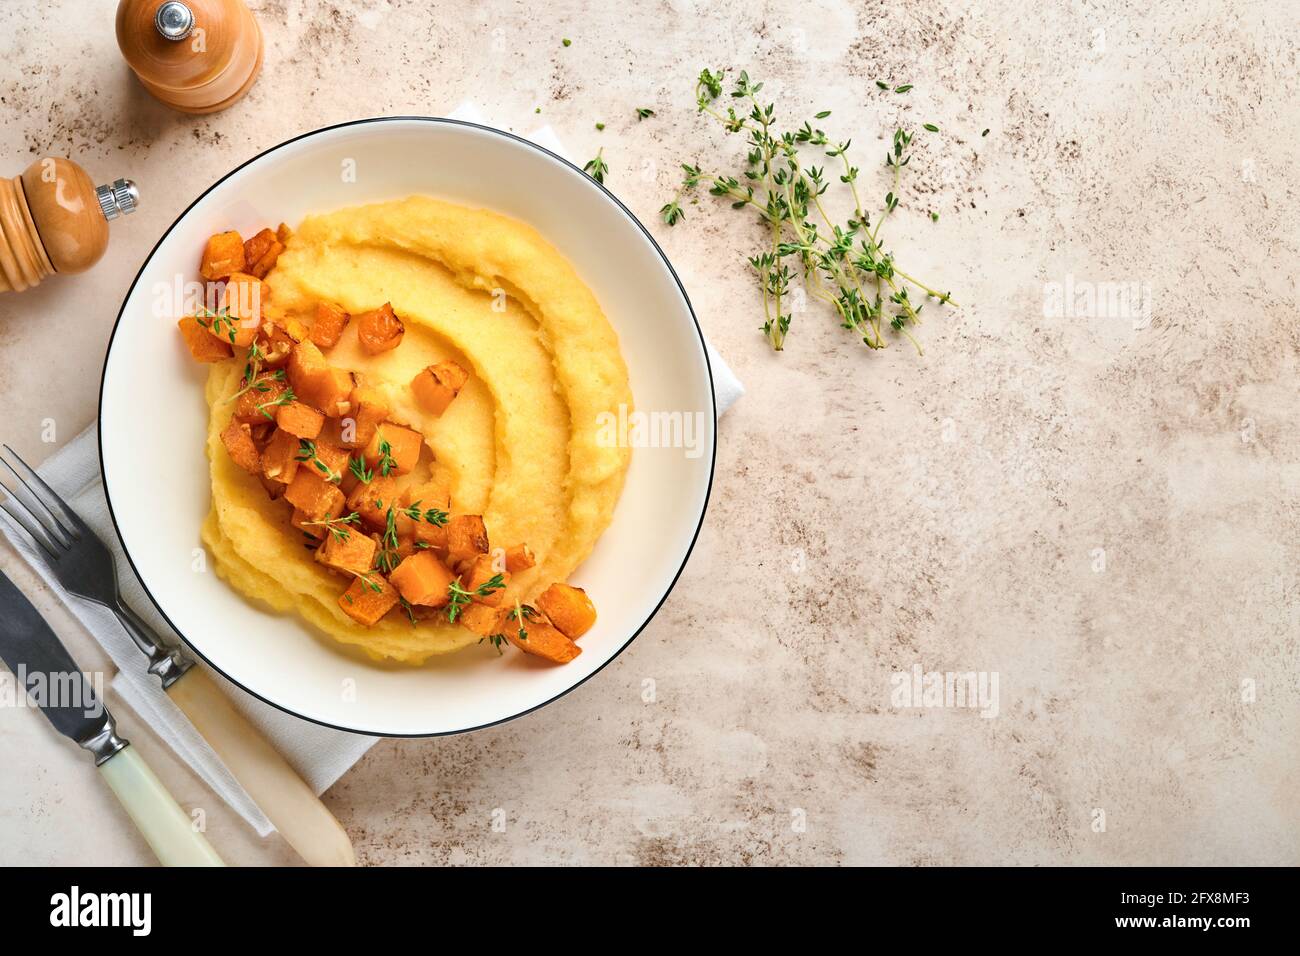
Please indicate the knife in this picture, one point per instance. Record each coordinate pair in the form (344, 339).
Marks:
(45, 669)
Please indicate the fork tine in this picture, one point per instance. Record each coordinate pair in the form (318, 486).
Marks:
(20, 526)
(50, 526)
(50, 501)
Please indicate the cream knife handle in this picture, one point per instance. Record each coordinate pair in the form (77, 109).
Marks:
(284, 797)
(165, 826)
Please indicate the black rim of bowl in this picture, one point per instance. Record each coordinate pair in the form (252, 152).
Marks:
(713, 459)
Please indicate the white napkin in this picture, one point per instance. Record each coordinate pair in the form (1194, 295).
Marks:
(321, 755)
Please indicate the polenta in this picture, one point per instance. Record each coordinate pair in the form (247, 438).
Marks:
(403, 428)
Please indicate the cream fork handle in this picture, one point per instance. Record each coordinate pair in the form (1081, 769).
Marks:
(284, 797)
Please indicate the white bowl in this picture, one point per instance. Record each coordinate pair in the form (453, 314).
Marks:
(152, 424)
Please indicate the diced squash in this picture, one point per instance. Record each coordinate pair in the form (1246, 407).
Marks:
(519, 558)
(349, 552)
(334, 458)
(238, 440)
(380, 330)
(283, 233)
(318, 383)
(299, 519)
(274, 489)
(203, 346)
(368, 599)
(483, 620)
(437, 385)
(467, 538)
(329, 325)
(434, 493)
(300, 420)
(372, 500)
(259, 404)
(542, 641)
(393, 450)
(569, 609)
(261, 253)
(481, 570)
(430, 537)
(241, 301)
(276, 339)
(280, 457)
(222, 256)
(369, 410)
(423, 579)
(261, 432)
(313, 495)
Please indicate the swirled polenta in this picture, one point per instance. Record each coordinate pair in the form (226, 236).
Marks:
(518, 445)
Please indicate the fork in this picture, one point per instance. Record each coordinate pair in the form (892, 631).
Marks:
(85, 566)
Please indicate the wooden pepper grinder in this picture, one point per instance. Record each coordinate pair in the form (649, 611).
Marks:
(54, 219)
(198, 56)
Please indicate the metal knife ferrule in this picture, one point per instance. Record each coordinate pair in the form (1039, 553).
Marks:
(106, 743)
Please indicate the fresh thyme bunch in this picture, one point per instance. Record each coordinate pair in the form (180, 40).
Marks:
(842, 264)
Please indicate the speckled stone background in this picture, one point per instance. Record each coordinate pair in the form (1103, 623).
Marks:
(1100, 508)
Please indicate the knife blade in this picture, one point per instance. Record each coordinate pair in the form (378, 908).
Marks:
(52, 680)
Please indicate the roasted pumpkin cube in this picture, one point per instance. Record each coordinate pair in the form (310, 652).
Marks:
(569, 609)
(313, 495)
(203, 346)
(380, 330)
(223, 256)
(371, 500)
(238, 439)
(542, 640)
(274, 490)
(304, 523)
(393, 450)
(483, 620)
(482, 571)
(368, 598)
(241, 303)
(257, 246)
(434, 493)
(349, 550)
(437, 385)
(467, 538)
(430, 537)
(334, 458)
(318, 383)
(329, 325)
(300, 420)
(280, 457)
(261, 403)
(519, 558)
(283, 232)
(369, 410)
(423, 579)
(275, 340)
(261, 253)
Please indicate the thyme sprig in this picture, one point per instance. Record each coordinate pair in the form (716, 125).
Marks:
(841, 263)
(386, 460)
(359, 470)
(434, 516)
(460, 598)
(284, 398)
(215, 321)
(307, 453)
(336, 526)
(597, 168)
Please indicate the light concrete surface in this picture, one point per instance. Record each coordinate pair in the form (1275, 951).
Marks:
(1100, 511)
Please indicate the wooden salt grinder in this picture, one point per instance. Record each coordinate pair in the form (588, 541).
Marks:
(54, 219)
(198, 56)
